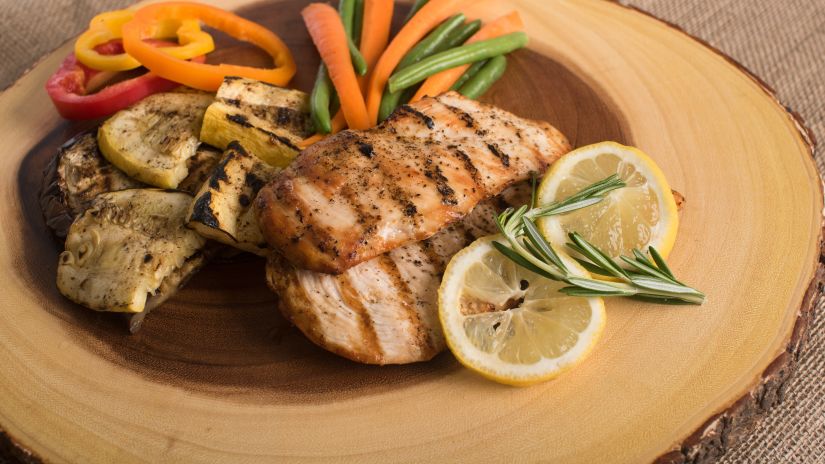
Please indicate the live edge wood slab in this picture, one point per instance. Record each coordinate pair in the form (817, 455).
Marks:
(217, 376)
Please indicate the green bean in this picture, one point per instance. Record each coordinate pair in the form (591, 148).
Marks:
(458, 56)
(434, 42)
(319, 101)
(358, 22)
(414, 9)
(461, 35)
(346, 9)
(389, 101)
(470, 72)
(484, 78)
(358, 61)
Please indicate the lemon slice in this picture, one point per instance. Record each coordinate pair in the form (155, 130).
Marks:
(640, 215)
(510, 324)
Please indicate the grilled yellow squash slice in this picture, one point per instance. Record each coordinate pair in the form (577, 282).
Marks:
(124, 246)
(152, 140)
(222, 210)
(269, 121)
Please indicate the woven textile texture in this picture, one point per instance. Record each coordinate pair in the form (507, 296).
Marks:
(782, 41)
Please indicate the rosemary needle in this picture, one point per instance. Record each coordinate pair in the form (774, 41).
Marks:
(645, 278)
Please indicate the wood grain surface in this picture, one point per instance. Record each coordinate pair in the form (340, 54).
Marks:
(217, 376)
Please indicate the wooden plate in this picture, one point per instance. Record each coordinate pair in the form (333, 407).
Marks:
(217, 376)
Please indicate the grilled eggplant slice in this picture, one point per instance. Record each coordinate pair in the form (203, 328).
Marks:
(268, 120)
(222, 210)
(123, 247)
(152, 140)
(74, 177)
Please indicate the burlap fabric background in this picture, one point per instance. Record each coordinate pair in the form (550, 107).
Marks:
(782, 41)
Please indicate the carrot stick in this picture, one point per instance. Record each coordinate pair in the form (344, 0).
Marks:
(425, 20)
(330, 38)
(376, 34)
(441, 82)
(338, 124)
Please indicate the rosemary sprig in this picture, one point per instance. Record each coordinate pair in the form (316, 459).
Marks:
(649, 279)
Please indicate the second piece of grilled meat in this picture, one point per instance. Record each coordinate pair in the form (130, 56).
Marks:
(359, 194)
(384, 310)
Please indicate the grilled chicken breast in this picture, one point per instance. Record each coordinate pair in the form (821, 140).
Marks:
(359, 194)
(384, 310)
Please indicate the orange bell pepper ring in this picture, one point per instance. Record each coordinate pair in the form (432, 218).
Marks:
(198, 75)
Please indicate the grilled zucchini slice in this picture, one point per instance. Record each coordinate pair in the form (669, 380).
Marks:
(172, 283)
(268, 120)
(74, 177)
(123, 247)
(200, 167)
(222, 210)
(152, 140)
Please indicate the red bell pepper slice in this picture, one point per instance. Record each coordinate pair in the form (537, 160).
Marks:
(69, 85)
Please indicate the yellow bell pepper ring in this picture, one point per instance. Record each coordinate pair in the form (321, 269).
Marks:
(109, 26)
(198, 75)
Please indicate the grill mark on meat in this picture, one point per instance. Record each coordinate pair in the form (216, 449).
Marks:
(432, 254)
(365, 213)
(318, 237)
(462, 156)
(428, 121)
(366, 149)
(442, 184)
(505, 159)
(406, 299)
(396, 194)
(353, 300)
(468, 119)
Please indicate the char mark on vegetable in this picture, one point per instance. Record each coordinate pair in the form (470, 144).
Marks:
(219, 174)
(239, 119)
(202, 209)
